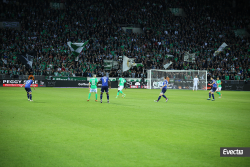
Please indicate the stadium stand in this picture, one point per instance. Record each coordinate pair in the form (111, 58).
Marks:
(45, 31)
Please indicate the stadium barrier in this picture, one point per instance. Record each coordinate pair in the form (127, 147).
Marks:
(69, 78)
(239, 87)
(51, 83)
(226, 85)
(75, 84)
(233, 85)
(136, 85)
(88, 78)
(63, 78)
(117, 78)
(19, 82)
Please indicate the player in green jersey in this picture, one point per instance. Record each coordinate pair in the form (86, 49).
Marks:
(93, 87)
(218, 87)
(121, 83)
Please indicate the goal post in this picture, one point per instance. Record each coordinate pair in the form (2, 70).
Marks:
(177, 79)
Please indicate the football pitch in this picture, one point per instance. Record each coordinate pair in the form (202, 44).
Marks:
(60, 128)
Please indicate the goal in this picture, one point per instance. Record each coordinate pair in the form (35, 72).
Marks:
(177, 79)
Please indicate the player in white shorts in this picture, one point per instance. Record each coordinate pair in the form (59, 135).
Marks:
(195, 83)
(121, 83)
(218, 89)
(93, 90)
(93, 87)
(120, 88)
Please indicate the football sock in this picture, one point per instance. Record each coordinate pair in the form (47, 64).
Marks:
(121, 92)
(164, 96)
(96, 96)
(101, 96)
(89, 95)
(213, 96)
(117, 93)
(159, 98)
(108, 96)
(209, 95)
(30, 96)
(219, 93)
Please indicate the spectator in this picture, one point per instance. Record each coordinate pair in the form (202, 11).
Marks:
(202, 31)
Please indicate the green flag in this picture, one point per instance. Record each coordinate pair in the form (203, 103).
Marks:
(76, 48)
(139, 65)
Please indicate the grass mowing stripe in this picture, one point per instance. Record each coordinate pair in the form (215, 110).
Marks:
(60, 128)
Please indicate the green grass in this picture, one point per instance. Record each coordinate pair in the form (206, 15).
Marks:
(60, 128)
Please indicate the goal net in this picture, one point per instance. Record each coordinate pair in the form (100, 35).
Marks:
(177, 79)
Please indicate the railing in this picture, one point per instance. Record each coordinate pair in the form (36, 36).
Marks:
(40, 77)
(236, 82)
(68, 78)
(37, 77)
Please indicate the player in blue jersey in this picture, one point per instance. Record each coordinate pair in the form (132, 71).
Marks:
(106, 85)
(27, 88)
(163, 90)
(213, 89)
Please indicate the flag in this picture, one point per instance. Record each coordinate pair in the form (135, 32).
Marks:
(167, 55)
(76, 48)
(167, 65)
(189, 57)
(127, 63)
(26, 59)
(221, 48)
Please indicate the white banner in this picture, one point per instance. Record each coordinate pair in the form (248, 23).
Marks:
(8, 24)
(169, 55)
(167, 65)
(189, 57)
(109, 64)
(221, 48)
(127, 63)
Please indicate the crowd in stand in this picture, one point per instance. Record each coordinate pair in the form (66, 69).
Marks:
(46, 31)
